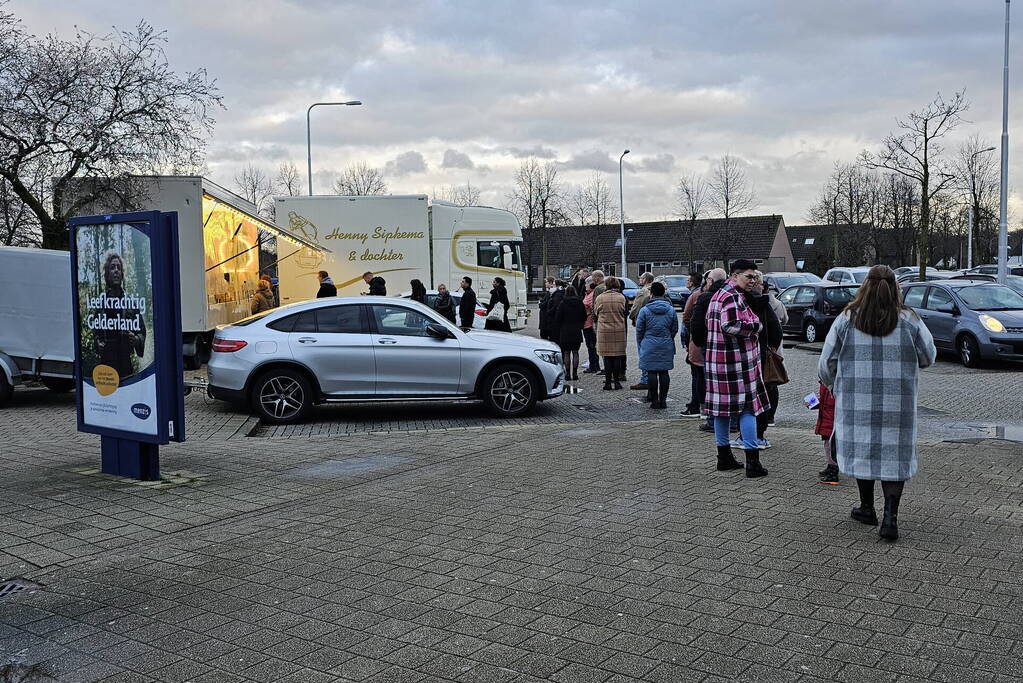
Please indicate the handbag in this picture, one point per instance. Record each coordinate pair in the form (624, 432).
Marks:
(774, 368)
(497, 312)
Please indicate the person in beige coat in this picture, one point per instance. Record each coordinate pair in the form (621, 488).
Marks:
(609, 314)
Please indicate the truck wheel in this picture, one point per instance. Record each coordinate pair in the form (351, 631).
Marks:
(810, 332)
(58, 385)
(6, 390)
(191, 362)
(510, 391)
(969, 351)
(282, 397)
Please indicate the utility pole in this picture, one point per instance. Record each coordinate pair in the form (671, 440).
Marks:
(1003, 209)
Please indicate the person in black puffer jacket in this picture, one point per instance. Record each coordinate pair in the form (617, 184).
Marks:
(771, 338)
(377, 286)
(698, 325)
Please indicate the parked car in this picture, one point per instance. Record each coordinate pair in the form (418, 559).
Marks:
(348, 349)
(778, 282)
(977, 320)
(902, 270)
(914, 275)
(813, 307)
(676, 287)
(479, 322)
(629, 288)
(1012, 281)
(992, 269)
(847, 275)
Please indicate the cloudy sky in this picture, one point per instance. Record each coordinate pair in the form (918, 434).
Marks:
(463, 91)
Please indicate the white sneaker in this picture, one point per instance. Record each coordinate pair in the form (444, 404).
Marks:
(736, 443)
(763, 444)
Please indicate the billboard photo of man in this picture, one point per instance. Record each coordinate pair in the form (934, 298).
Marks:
(123, 335)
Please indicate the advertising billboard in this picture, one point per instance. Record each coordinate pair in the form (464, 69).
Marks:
(128, 326)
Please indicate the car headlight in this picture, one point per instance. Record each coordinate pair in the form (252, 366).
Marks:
(991, 324)
(552, 357)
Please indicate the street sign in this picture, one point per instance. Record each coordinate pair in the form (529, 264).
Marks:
(127, 323)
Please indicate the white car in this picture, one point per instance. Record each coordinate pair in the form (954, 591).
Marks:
(359, 349)
(847, 276)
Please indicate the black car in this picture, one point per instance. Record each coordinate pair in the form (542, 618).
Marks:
(778, 281)
(676, 287)
(813, 307)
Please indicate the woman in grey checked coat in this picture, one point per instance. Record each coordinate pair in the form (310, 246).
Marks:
(871, 361)
(735, 384)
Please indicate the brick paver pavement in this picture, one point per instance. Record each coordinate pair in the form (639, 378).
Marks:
(589, 552)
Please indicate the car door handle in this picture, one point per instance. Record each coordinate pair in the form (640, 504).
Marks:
(386, 340)
(306, 340)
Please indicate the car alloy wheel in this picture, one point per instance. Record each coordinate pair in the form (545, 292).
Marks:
(282, 397)
(969, 354)
(811, 333)
(510, 391)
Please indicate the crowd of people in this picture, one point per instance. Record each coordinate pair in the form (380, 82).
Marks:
(731, 331)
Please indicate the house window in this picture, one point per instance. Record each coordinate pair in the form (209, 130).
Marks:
(809, 240)
(565, 273)
(647, 267)
(799, 264)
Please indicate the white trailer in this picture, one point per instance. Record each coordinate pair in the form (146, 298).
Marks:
(219, 242)
(36, 340)
(401, 238)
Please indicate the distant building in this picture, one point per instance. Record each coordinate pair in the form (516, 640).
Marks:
(813, 246)
(660, 247)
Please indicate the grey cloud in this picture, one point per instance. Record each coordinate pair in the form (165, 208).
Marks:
(538, 151)
(456, 159)
(405, 164)
(591, 160)
(660, 163)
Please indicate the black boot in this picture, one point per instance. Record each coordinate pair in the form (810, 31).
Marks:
(890, 522)
(865, 513)
(727, 461)
(830, 475)
(753, 467)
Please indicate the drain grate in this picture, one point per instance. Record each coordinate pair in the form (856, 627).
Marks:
(8, 588)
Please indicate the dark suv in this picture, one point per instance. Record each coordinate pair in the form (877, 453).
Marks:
(813, 307)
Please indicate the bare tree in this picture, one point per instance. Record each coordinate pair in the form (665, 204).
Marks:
(100, 106)
(538, 200)
(692, 196)
(915, 152)
(18, 225)
(360, 179)
(462, 195)
(288, 182)
(730, 194)
(254, 185)
(978, 182)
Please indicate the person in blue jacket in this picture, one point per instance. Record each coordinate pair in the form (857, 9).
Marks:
(656, 327)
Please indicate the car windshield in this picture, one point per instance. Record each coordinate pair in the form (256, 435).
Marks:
(860, 276)
(786, 281)
(991, 298)
(675, 281)
(839, 295)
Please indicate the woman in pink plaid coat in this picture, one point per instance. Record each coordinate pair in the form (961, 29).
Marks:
(735, 384)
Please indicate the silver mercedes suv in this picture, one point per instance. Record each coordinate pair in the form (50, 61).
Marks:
(358, 349)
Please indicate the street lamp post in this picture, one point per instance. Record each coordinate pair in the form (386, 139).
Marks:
(625, 237)
(621, 211)
(1003, 214)
(973, 187)
(308, 139)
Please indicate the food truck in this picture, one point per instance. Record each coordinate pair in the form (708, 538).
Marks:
(400, 238)
(220, 236)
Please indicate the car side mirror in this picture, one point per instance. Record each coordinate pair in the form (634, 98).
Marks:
(947, 308)
(438, 331)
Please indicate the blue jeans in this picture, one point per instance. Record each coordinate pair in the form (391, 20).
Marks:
(644, 376)
(747, 430)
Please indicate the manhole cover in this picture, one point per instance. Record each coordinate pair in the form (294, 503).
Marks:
(8, 588)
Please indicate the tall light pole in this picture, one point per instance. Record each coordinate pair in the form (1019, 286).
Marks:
(308, 139)
(621, 211)
(973, 188)
(1003, 213)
